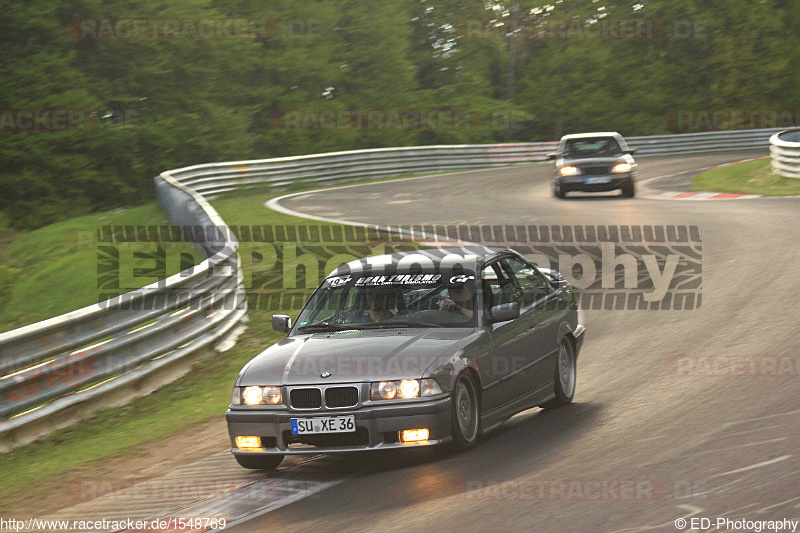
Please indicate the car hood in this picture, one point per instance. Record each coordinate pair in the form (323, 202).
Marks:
(353, 356)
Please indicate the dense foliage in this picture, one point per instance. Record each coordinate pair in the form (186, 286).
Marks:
(522, 70)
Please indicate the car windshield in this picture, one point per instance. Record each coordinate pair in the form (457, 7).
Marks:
(392, 300)
(592, 147)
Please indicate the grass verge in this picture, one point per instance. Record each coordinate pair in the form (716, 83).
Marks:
(54, 270)
(750, 177)
(204, 393)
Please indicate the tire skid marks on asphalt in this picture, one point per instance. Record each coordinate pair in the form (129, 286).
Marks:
(781, 504)
(751, 467)
(765, 417)
(745, 445)
(267, 494)
(715, 491)
(213, 487)
(691, 511)
(143, 499)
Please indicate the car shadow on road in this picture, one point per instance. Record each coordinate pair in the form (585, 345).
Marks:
(521, 446)
(594, 196)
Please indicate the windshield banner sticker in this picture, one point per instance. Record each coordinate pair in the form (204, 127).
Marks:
(398, 279)
(338, 281)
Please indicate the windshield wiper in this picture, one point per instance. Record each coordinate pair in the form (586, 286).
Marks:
(325, 327)
(321, 327)
(410, 325)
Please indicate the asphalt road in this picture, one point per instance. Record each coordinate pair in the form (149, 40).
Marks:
(642, 445)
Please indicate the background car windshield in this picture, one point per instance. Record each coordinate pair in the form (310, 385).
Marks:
(392, 300)
(592, 147)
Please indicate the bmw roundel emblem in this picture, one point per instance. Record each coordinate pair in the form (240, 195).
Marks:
(325, 374)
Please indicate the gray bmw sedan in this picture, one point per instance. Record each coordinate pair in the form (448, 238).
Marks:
(409, 349)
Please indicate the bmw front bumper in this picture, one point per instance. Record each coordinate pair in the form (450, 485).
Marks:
(377, 427)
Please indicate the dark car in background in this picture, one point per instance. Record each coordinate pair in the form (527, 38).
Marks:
(593, 162)
(409, 349)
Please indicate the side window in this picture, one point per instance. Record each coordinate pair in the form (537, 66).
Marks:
(532, 284)
(498, 287)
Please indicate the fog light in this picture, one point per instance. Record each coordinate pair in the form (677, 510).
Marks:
(248, 442)
(412, 435)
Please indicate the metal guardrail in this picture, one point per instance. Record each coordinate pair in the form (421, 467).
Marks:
(108, 353)
(785, 151)
(216, 178)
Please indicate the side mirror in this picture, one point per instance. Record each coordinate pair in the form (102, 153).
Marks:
(504, 312)
(282, 323)
(631, 151)
(550, 157)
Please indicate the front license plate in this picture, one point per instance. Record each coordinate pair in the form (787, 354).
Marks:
(331, 424)
(596, 180)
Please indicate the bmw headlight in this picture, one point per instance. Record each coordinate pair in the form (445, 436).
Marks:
(254, 395)
(569, 171)
(621, 168)
(404, 389)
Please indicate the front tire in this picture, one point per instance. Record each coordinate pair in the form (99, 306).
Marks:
(465, 414)
(564, 387)
(259, 462)
(558, 191)
(628, 190)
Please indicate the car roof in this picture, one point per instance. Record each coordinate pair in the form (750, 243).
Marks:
(467, 258)
(593, 134)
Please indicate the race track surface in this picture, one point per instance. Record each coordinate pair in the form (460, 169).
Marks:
(642, 445)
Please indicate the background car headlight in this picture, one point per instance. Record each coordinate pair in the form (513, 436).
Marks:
(622, 167)
(569, 171)
(405, 389)
(254, 395)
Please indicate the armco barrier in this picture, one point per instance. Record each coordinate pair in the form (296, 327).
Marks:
(54, 372)
(108, 353)
(785, 151)
(216, 178)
